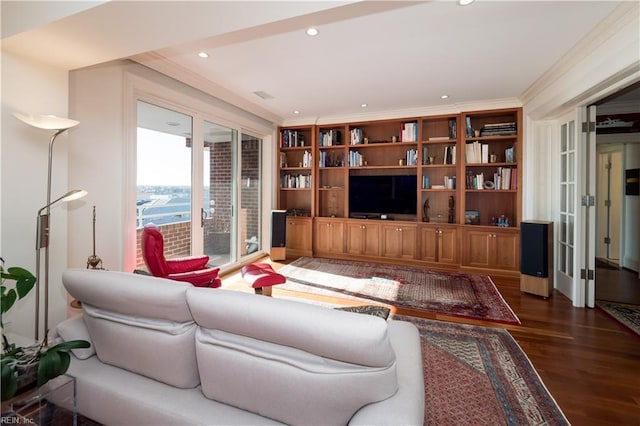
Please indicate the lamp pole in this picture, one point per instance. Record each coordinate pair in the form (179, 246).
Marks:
(60, 125)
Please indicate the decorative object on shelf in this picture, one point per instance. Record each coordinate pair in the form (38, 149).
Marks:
(60, 125)
(94, 262)
(425, 210)
(472, 217)
(452, 209)
(36, 364)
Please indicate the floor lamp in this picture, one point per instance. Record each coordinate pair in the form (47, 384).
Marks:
(60, 125)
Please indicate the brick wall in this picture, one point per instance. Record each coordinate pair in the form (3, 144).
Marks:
(177, 237)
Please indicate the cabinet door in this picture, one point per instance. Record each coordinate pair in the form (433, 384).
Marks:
(429, 244)
(363, 239)
(505, 251)
(477, 250)
(329, 236)
(447, 245)
(299, 236)
(439, 245)
(496, 249)
(399, 241)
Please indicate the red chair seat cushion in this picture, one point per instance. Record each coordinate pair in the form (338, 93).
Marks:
(259, 275)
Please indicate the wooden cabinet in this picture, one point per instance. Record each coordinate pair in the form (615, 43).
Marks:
(399, 240)
(439, 244)
(299, 236)
(328, 236)
(467, 173)
(439, 169)
(332, 172)
(363, 238)
(492, 173)
(295, 170)
(491, 248)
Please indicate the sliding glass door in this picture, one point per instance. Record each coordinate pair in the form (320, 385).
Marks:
(221, 215)
(218, 202)
(164, 176)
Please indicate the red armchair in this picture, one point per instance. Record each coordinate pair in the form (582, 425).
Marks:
(192, 269)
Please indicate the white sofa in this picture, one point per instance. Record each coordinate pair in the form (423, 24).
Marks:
(167, 353)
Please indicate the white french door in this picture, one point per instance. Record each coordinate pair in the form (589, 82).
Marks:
(575, 274)
(587, 247)
(567, 272)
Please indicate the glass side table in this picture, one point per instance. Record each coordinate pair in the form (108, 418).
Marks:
(52, 404)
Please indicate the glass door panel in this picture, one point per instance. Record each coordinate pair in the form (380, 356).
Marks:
(249, 223)
(163, 176)
(219, 198)
(566, 229)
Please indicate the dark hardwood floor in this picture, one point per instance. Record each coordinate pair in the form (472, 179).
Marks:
(617, 284)
(588, 361)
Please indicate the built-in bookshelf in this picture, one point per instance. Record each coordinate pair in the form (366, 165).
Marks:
(467, 173)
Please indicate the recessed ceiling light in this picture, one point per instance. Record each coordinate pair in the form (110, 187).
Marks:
(296, 112)
(203, 54)
(464, 2)
(312, 31)
(444, 97)
(364, 105)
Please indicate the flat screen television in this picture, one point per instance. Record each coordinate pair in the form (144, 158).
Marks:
(382, 194)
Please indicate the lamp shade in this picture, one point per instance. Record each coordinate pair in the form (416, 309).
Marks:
(47, 122)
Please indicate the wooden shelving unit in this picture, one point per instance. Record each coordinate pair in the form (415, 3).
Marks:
(468, 172)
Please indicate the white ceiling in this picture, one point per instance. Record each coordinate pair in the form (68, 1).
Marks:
(391, 55)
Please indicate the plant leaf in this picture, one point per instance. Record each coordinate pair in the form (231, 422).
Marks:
(71, 344)
(8, 299)
(9, 382)
(49, 366)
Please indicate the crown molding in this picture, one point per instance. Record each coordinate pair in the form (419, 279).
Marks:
(455, 108)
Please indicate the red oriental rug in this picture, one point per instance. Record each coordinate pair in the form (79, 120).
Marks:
(480, 376)
(448, 293)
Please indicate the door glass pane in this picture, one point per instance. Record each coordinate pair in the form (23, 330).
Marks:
(250, 195)
(218, 172)
(567, 199)
(571, 176)
(570, 200)
(163, 176)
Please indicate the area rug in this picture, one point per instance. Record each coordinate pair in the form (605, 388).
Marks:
(480, 376)
(448, 293)
(628, 315)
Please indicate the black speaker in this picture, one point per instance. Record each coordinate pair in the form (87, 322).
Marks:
(536, 239)
(278, 228)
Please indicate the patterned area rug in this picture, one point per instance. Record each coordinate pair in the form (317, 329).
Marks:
(456, 294)
(629, 315)
(480, 376)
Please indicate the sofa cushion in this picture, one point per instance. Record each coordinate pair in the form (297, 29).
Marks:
(141, 324)
(74, 328)
(293, 362)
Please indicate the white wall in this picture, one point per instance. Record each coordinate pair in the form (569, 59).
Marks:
(102, 159)
(33, 88)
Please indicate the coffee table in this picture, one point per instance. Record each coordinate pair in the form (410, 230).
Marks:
(51, 404)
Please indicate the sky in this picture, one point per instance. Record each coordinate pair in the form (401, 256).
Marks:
(163, 159)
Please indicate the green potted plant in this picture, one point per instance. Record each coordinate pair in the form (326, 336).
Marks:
(17, 361)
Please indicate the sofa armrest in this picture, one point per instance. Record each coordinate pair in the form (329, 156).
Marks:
(406, 407)
(199, 278)
(186, 264)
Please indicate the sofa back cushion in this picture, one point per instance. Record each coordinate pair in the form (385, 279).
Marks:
(292, 362)
(138, 323)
